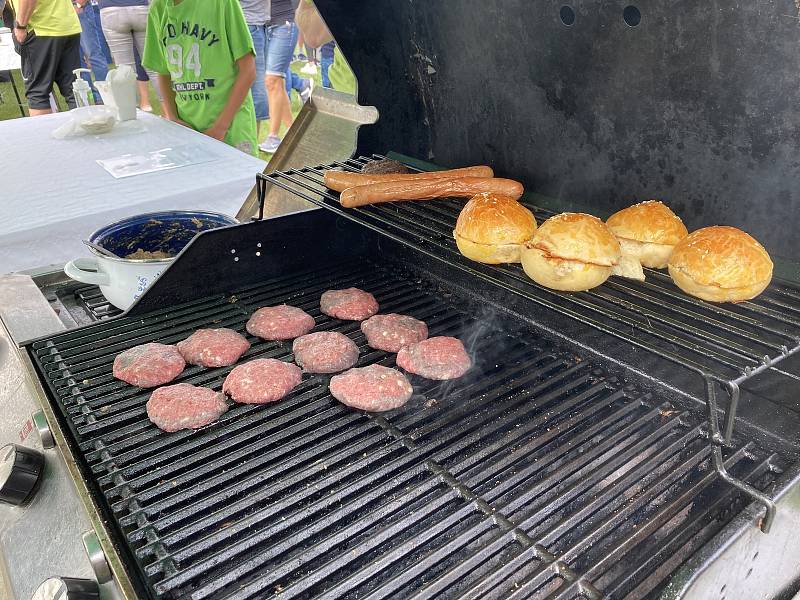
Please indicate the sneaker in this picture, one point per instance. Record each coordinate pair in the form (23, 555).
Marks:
(270, 145)
(302, 57)
(309, 69)
(306, 93)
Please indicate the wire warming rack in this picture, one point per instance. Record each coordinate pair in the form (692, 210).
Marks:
(725, 345)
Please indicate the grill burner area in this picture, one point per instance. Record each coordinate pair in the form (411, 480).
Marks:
(538, 474)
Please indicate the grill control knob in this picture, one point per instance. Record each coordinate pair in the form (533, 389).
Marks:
(20, 469)
(67, 588)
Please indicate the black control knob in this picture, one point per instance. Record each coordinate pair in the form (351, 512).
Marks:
(67, 588)
(20, 469)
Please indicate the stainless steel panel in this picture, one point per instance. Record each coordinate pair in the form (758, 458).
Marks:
(324, 131)
(43, 538)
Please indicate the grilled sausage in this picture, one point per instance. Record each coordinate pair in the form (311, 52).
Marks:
(341, 180)
(396, 191)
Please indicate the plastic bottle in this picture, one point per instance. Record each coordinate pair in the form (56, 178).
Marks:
(81, 89)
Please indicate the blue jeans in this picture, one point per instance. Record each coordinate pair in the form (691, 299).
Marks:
(279, 48)
(258, 89)
(92, 45)
(293, 80)
(260, 35)
(325, 62)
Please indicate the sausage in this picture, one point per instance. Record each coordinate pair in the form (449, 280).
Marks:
(341, 180)
(394, 191)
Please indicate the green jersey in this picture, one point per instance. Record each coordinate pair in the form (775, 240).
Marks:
(197, 43)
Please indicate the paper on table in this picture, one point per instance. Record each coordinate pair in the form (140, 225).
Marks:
(129, 165)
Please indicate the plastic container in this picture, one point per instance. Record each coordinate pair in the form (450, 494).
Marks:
(119, 91)
(95, 120)
(123, 280)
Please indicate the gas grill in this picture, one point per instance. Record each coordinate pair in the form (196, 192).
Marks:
(625, 442)
(552, 469)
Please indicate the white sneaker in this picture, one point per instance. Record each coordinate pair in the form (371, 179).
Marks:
(270, 145)
(309, 69)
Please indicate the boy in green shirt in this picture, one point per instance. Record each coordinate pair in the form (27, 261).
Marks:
(205, 60)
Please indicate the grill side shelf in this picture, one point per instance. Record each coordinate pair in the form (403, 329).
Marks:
(721, 344)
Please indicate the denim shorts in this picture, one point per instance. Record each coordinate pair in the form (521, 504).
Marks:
(259, 90)
(280, 48)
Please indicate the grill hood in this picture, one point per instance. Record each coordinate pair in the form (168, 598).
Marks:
(695, 105)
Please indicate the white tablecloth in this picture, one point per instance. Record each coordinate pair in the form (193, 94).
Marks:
(53, 193)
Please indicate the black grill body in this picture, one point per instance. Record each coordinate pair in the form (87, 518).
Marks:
(549, 470)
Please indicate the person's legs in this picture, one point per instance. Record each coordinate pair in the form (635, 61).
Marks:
(138, 22)
(279, 55)
(38, 65)
(325, 62)
(141, 82)
(101, 37)
(68, 61)
(258, 89)
(119, 35)
(91, 46)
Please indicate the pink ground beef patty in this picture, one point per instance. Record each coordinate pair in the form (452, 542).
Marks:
(374, 388)
(435, 358)
(351, 304)
(262, 380)
(325, 352)
(280, 322)
(185, 406)
(392, 332)
(149, 365)
(213, 347)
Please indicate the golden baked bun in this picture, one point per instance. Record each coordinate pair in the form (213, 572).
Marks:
(571, 252)
(720, 264)
(648, 231)
(492, 228)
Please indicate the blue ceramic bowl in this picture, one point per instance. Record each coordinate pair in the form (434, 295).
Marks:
(167, 231)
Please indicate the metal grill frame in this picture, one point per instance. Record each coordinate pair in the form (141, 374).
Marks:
(306, 182)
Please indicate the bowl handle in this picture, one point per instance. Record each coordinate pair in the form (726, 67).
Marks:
(76, 269)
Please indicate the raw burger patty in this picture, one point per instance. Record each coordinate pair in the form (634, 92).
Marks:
(213, 347)
(435, 358)
(185, 406)
(149, 365)
(261, 381)
(280, 322)
(391, 332)
(351, 304)
(374, 388)
(325, 352)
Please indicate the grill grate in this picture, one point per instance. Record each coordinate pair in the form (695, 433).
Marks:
(537, 474)
(92, 300)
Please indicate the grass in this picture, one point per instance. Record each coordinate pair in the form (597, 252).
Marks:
(10, 110)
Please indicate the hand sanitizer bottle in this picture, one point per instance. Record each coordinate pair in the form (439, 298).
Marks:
(81, 89)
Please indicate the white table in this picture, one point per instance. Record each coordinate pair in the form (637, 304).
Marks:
(53, 193)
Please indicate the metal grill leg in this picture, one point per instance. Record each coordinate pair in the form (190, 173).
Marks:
(717, 441)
